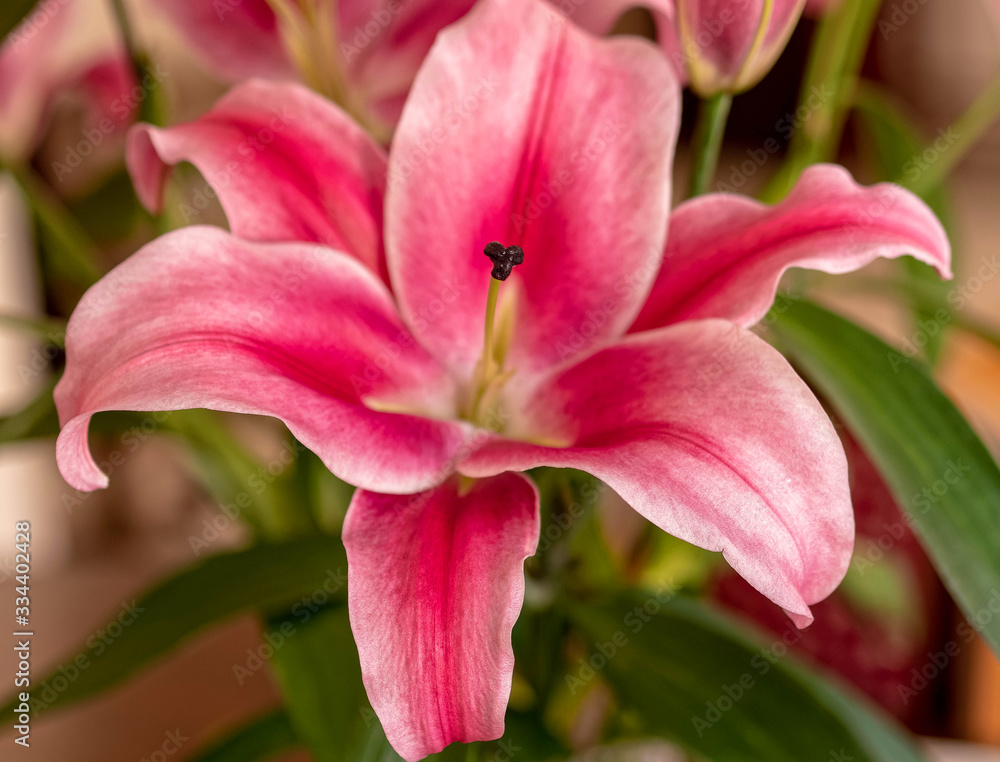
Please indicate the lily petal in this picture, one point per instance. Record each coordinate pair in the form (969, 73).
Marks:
(727, 253)
(286, 164)
(600, 18)
(234, 40)
(435, 584)
(493, 126)
(706, 431)
(383, 44)
(198, 318)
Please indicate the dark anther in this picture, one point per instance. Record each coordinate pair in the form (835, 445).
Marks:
(504, 258)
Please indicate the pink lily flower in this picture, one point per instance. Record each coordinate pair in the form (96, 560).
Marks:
(353, 301)
(39, 63)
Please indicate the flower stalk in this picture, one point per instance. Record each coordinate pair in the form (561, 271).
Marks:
(709, 130)
(969, 129)
(838, 51)
(71, 241)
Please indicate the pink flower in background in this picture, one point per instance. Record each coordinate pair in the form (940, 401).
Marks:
(353, 301)
(365, 53)
(362, 53)
(40, 61)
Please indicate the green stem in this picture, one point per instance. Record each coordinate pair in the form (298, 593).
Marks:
(52, 330)
(152, 108)
(124, 27)
(77, 250)
(838, 51)
(272, 517)
(968, 130)
(709, 129)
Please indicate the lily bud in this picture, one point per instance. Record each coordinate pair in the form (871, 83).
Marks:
(729, 45)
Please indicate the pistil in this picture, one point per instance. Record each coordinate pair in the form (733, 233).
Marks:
(489, 375)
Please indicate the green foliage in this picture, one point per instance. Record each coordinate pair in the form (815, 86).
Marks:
(691, 676)
(272, 578)
(897, 151)
(259, 740)
(937, 467)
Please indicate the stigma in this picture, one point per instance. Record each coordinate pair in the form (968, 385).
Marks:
(504, 259)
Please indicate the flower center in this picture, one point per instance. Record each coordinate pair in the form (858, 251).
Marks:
(490, 376)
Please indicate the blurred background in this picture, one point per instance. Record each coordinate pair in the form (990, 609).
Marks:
(92, 554)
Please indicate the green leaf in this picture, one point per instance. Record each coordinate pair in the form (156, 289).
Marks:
(319, 672)
(11, 14)
(897, 150)
(935, 464)
(110, 211)
(272, 578)
(36, 419)
(693, 678)
(316, 662)
(261, 739)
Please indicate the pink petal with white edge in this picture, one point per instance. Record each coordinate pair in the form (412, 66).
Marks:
(706, 431)
(435, 584)
(235, 39)
(200, 319)
(727, 253)
(601, 17)
(286, 164)
(529, 131)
